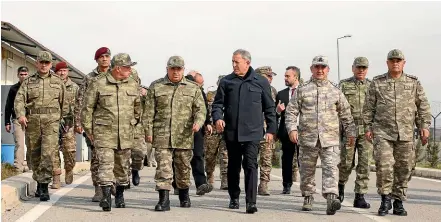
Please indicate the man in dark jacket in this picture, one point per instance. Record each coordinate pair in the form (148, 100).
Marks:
(197, 162)
(15, 127)
(240, 100)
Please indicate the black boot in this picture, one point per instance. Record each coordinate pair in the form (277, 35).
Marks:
(184, 198)
(234, 204)
(341, 192)
(135, 177)
(164, 201)
(106, 200)
(251, 208)
(44, 192)
(119, 197)
(385, 205)
(398, 208)
(286, 188)
(360, 202)
(38, 191)
(333, 204)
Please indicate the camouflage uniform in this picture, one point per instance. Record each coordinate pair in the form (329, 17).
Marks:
(214, 145)
(266, 149)
(389, 113)
(78, 106)
(68, 143)
(171, 110)
(320, 106)
(355, 92)
(139, 149)
(41, 99)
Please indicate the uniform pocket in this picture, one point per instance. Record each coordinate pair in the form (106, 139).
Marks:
(255, 94)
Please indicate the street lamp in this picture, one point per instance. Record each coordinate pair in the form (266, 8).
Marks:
(338, 55)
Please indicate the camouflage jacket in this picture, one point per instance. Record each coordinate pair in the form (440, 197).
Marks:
(320, 106)
(82, 88)
(170, 112)
(355, 92)
(111, 111)
(38, 94)
(273, 95)
(71, 94)
(392, 105)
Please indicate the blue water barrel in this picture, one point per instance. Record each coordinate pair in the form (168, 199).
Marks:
(8, 153)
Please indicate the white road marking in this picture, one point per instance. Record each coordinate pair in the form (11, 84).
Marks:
(349, 206)
(422, 178)
(37, 211)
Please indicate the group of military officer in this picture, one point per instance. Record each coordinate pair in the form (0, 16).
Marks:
(112, 110)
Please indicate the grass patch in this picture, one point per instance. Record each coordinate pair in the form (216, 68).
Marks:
(427, 165)
(8, 170)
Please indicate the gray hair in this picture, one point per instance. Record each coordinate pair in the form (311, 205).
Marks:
(244, 53)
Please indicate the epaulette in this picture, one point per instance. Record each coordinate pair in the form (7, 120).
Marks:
(156, 81)
(346, 80)
(191, 81)
(334, 84)
(380, 76)
(412, 76)
(368, 80)
(304, 83)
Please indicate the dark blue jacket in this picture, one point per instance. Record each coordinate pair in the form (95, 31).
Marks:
(240, 102)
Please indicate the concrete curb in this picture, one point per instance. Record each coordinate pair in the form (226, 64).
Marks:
(419, 172)
(21, 187)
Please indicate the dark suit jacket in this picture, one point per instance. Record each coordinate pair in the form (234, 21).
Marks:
(240, 102)
(282, 133)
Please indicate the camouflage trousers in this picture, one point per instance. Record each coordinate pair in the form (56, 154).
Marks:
(330, 157)
(150, 155)
(394, 161)
(214, 146)
(139, 151)
(68, 148)
(164, 171)
(347, 163)
(113, 165)
(266, 156)
(94, 165)
(42, 138)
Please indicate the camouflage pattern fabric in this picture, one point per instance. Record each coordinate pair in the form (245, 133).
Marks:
(215, 147)
(170, 112)
(41, 98)
(320, 106)
(390, 113)
(164, 170)
(355, 92)
(113, 166)
(267, 150)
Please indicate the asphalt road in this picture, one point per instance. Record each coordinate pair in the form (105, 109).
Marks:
(73, 203)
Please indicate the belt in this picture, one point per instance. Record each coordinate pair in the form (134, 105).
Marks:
(43, 110)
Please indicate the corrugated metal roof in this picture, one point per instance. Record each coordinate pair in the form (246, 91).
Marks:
(24, 43)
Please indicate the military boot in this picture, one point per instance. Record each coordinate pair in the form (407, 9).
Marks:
(113, 190)
(69, 176)
(44, 192)
(184, 198)
(164, 201)
(360, 202)
(106, 199)
(341, 192)
(56, 183)
(333, 204)
(263, 189)
(224, 182)
(307, 203)
(135, 177)
(286, 188)
(385, 205)
(98, 194)
(203, 189)
(119, 197)
(398, 208)
(38, 191)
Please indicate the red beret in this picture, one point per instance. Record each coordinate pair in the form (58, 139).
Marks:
(101, 51)
(61, 65)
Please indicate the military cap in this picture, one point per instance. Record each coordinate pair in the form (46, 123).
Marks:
(44, 56)
(361, 61)
(265, 70)
(122, 59)
(175, 61)
(22, 69)
(102, 51)
(395, 54)
(320, 60)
